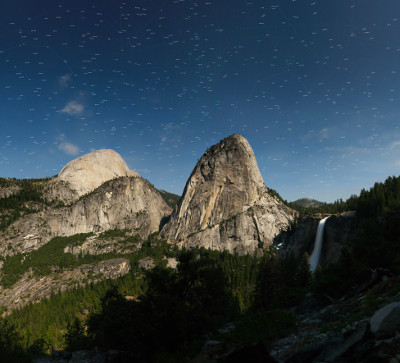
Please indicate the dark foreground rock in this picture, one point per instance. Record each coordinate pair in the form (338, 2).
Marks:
(344, 331)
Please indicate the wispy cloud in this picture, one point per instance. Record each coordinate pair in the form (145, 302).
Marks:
(394, 144)
(64, 81)
(73, 108)
(322, 134)
(349, 149)
(69, 149)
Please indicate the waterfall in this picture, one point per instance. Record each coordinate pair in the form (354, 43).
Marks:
(314, 259)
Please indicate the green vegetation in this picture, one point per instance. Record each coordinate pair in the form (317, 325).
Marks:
(376, 246)
(171, 199)
(42, 260)
(51, 257)
(25, 200)
(48, 320)
(166, 315)
(13, 182)
(113, 233)
(209, 289)
(381, 198)
(179, 309)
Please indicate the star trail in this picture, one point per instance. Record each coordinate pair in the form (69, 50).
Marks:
(313, 85)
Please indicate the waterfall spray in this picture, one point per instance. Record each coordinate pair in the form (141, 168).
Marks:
(316, 253)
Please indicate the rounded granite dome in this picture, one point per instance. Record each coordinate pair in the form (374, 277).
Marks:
(225, 182)
(86, 173)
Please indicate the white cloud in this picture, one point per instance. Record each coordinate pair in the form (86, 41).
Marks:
(68, 148)
(73, 108)
(397, 163)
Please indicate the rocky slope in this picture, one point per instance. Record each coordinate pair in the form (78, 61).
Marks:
(226, 205)
(338, 232)
(6, 192)
(102, 194)
(32, 288)
(360, 328)
(123, 203)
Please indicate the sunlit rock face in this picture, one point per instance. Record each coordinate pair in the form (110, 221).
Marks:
(86, 173)
(125, 203)
(225, 204)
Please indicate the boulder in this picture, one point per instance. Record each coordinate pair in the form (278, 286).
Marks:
(146, 263)
(386, 321)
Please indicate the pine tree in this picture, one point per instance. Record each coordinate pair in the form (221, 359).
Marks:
(304, 274)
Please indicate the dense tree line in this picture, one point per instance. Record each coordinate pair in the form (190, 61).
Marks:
(199, 273)
(47, 258)
(29, 193)
(380, 198)
(171, 199)
(377, 246)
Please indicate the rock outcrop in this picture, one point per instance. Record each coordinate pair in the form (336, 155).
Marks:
(300, 238)
(7, 192)
(125, 203)
(226, 205)
(338, 232)
(345, 331)
(32, 288)
(386, 321)
(86, 173)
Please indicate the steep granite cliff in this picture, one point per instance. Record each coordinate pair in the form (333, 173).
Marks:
(226, 205)
(338, 233)
(123, 203)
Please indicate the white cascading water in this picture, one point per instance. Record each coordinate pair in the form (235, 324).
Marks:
(314, 258)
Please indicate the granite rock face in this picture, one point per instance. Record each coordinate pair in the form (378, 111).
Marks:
(339, 231)
(124, 203)
(300, 238)
(32, 288)
(87, 172)
(226, 205)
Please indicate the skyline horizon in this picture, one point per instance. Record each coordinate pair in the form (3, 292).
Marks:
(180, 194)
(312, 86)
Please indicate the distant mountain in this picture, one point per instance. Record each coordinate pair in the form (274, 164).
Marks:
(308, 203)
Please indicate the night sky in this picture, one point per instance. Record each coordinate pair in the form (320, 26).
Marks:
(313, 85)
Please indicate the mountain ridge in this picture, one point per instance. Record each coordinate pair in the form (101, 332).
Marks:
(308, 203)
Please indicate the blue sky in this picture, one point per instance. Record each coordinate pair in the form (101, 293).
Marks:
(314, 86)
